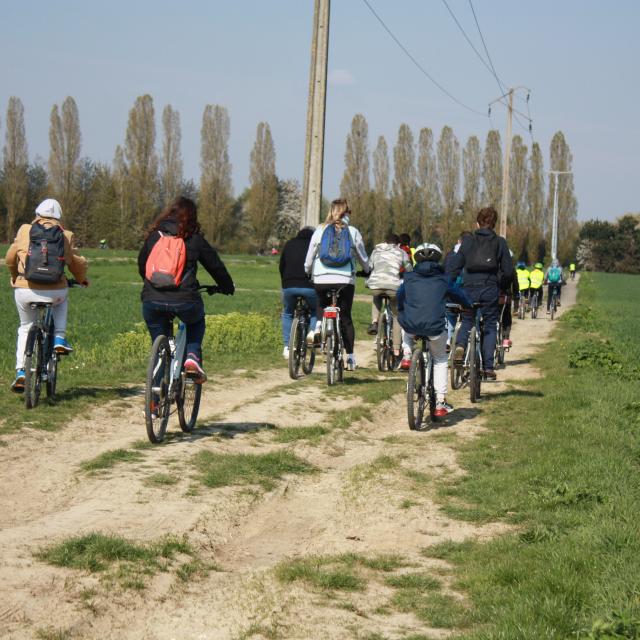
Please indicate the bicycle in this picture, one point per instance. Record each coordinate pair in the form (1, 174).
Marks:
(300, 354)
(331, 340)
(553, 304)
(40, 358)
(456, 374)
(420, 389)
(522, 306)
(573, 275)
(470, 371)
(534, 299)
(168, 383)
(500, 349)
(384, 337)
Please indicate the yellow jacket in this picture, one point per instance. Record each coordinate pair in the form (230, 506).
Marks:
(537, 278)
(17, 255)
(523, 278)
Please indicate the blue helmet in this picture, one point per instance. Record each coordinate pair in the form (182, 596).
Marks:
(521, 265)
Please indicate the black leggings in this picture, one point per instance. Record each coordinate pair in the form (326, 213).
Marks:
(345, 302)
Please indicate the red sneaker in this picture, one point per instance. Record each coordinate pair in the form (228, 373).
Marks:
(405, 364)
(194, 370)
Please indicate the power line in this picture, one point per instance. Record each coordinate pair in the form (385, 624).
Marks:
(418, 65)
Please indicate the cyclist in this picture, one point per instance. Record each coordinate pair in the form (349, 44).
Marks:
(572, 270)
(509, 290)
(536, 279)
(180, 220)
(554, 277)
(26, 290)
(524, 282)
(387, 263)
(404, 240)
(421, 312)
(485, 258)
(296, 283)
(329, 247)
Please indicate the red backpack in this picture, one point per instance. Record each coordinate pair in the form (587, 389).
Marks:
(166, 261)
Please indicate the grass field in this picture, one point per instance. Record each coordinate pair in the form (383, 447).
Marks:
(561, 462)
(104, 366)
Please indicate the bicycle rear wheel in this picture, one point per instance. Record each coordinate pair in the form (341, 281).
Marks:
(381, 344)
(157, 402)
(33, 368)
(456, 375)
(553, 307)
(309, 355)
(431, 390)
(416, 390)
(52, 374)
(297, 342)
(188, 401)
(331, 357)
(474, 367)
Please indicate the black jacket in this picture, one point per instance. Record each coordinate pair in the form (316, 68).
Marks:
(198, 250)
(504, 270)
(292, 261)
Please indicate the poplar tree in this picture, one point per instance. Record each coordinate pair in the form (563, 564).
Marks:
(15, 166)
(216, 200)
(380, 202)
(492, 171)
(65, 143)
(142, 164)
(355, 180)
(561, 159)
(121, 184)
(535, 205)
(404, 202)
(430, 203)
(471, 168)
(517, 196)
(448, 156)
(171, 160)
(262, 201)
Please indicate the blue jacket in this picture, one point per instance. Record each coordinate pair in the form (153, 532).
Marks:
(422, 298)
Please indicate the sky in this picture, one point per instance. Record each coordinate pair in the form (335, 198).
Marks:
(580, 58)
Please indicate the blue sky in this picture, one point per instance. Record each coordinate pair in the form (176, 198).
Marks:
(579, 57)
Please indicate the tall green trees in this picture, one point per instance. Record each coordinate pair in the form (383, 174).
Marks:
(355, 180)
(404, 200)
(472, 170)
(65, 143)
(216, 197)
(517, 212)
(492, 171)
(429, 194)
(262, 202)
(535, 206)
(171, 159)
(15, 165)
(561, 159)
(448, 155)
(381, 210)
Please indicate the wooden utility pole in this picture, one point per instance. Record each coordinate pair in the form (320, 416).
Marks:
(316, 106)
(554, 226)
(504, 209)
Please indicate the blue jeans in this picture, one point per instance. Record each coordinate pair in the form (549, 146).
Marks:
(488, 296)
(158, 315)
(289, 297)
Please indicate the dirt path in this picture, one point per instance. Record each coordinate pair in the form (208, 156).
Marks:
(360, 501)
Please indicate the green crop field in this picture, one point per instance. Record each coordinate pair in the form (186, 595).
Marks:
(108, 358)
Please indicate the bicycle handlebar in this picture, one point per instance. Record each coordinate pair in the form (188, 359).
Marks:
(209, 288)
(72, 282)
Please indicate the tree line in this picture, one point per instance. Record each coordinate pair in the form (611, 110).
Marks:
(432, 189)
(611, 246)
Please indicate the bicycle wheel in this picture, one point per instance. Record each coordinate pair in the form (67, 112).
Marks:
(431, 390)
(188, 401)
(331, 357)
(157, 402)
(52, 374)
(309, 352)
(455, 373)
(553, 307)
(33, 368)
(381, 343)
(416, 390)
(391, 359)
(474, 367)
(297, 342)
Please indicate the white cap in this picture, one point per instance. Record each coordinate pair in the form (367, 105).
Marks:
(49, 208)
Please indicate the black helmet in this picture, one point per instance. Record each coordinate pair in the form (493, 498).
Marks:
(427, 252)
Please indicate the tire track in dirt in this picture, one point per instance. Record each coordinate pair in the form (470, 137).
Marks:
(337, 510)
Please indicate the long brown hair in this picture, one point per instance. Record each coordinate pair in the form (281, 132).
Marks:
(184, 212)
(337, 210)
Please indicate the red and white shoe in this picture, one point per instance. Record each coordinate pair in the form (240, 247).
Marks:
(405, 364)
(194, 370)
(442, 409)
(506, 343)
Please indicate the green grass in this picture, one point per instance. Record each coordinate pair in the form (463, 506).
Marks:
(160, 480)
(293, 434)
(561, 461)
(126, 563)
(223, 469)
(109, 459)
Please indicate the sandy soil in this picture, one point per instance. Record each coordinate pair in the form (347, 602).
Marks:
(349, 506)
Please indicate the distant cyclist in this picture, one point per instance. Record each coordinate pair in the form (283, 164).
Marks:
(421, 312)
(536, 278)
(333, 250)
(386, 265)
(524, 282)
(36, 260)
(486, 261)
(295, 283)
(179, 221)
(554, 277)
(572, 270)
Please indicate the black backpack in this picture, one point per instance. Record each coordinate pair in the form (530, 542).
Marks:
(45, 258)
(482, 256)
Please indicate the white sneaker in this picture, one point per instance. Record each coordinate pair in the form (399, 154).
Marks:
(285, 353)
(351, 363)
(311, 337)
